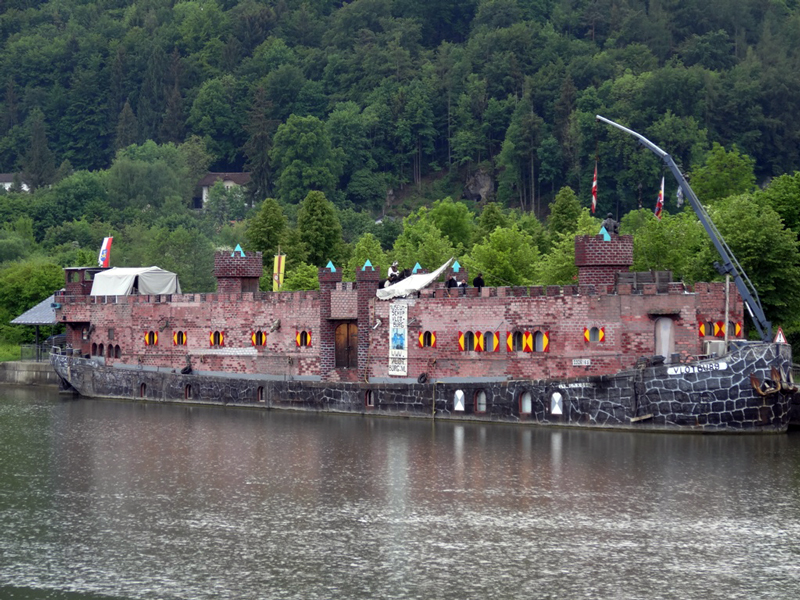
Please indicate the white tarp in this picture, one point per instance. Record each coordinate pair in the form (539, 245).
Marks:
(147, 280)
(411, 284)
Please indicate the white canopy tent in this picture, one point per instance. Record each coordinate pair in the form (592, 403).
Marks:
(141, 280)
(412, 283)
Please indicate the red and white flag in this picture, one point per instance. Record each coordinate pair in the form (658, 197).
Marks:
(660, 201)
(105, 252)
(594, 189)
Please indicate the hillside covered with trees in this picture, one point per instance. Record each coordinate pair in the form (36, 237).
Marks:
(467, 127)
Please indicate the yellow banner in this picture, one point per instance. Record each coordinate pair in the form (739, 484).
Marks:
(277, 272)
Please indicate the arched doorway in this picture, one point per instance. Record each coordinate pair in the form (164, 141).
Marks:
(346, 340)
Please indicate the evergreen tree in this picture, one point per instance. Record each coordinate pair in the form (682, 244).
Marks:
(11, 107)
(564, 212)
(127, 128)
(266, 228)
(260, 129)
(319, 228)
(39, 164)
(173, 125)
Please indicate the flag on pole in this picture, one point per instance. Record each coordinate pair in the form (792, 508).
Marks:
(105, 252)
(277, 272)
(660, 201)
(594, 189)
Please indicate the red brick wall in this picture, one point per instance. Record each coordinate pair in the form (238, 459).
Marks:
(598, 260)
(628, 321)
(237, 316)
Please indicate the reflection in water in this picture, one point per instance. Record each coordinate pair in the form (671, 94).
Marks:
(121, 500)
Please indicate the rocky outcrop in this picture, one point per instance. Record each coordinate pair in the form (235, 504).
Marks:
(479, 186)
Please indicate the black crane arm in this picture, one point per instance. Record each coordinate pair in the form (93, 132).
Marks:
(729, 264)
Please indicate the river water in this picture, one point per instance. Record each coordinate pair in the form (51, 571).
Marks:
(103, 499)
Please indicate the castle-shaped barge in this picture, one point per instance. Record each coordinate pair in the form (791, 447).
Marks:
(619, 350)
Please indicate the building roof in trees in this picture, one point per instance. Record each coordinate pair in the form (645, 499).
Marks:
(211, 178)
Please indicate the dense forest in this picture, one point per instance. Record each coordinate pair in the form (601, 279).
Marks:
(395, 130)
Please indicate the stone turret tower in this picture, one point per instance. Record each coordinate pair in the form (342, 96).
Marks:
(599, 260)
(237, 272)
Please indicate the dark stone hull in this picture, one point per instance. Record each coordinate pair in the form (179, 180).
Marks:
(708, 396)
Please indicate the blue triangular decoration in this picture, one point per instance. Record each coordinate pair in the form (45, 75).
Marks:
(416, 268)
(367, 264)
(456, 267)
(604, 233)
(331, 267)
(239, 250)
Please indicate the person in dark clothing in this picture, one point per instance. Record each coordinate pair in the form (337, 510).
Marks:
(611, 225)
(463, 283)
(478, 281)
(452, 282)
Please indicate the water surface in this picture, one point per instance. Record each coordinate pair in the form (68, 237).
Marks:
(103, 499)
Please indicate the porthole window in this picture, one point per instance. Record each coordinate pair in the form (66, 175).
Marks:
(525, 403)
(480, 401)
(458, 401)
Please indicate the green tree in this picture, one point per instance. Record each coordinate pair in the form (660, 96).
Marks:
(783, 195)
(490, 219)
(266, 228)
(301, 277)
(39, 164)
(22, 286)
(260, 129)
(127, 128)
(454, 220)
(368, 248)
(564, 212)
(672, 243)
(557, 267)
(215, 116)
(190, 254)
(319, 228)
(767, 251)
(507, 257)
(304, 159)
(421, 242)
(723, 174)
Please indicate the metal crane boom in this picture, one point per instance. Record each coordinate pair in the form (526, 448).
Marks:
(729, 263)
